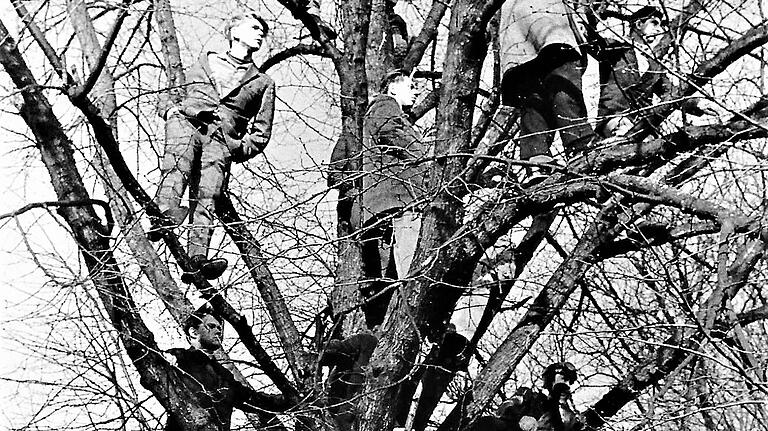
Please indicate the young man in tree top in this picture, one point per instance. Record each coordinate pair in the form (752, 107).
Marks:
(217, 390)
(393, 183)
(227, 115)
(630, 76)
(542, 68)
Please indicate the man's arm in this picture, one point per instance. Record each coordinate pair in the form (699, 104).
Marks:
(396, 135)
(261, 124)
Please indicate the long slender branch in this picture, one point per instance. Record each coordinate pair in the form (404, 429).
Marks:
(81, 90)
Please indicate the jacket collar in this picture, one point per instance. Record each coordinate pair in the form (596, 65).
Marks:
(250, 74)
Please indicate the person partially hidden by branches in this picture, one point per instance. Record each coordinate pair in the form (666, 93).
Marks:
(451, 355)
(213, 385)
(226, 117)
(518, 413)
(630, 76)
(542, 66)
(558, 412)
(347, 360)
(394, 183)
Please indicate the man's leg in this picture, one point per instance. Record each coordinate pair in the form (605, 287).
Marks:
(405, 231)
(521, 87)
(569, 113)
(377, 251)
(214, 168)
(181, 138)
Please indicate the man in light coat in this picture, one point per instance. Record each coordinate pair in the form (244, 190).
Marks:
(542, 66)
(227, 116)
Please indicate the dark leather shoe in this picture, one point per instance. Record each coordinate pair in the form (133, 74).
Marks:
(210, 269)
(171, 217)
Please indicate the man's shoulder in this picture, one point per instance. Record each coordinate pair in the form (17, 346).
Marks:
(383, 105)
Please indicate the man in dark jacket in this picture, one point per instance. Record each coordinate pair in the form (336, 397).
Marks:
(227, 116)
(347, 359)
(559, 413)
(630, 77)
(215, 387)
(393, 187)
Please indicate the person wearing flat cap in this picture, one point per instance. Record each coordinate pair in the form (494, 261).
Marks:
(630, 77)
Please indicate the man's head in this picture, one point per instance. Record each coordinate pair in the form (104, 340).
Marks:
(648, 24)
(247, 30)
(203, 330)
(400, 86)
(558, 378)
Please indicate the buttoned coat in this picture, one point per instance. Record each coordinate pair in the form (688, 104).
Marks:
(394, 165)
(623, 89)
(246, 111)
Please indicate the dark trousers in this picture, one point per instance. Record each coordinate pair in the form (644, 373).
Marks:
(547, 90)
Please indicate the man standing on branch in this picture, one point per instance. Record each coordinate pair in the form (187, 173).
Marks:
(394, 182)
(542, 66)
(227, 116)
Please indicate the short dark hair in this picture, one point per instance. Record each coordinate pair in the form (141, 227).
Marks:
(237, 18)
(391, 77)
(195, 319)
(645, 13)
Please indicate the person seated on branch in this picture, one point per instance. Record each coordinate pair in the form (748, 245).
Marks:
(542, 66)
(214, 386)
(393, 188)
(630, 76)
(226, 117)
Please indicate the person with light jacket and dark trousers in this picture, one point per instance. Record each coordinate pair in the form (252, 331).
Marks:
(226, 115)
(542, 64)
(394, 173)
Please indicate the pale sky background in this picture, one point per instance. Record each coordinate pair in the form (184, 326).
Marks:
(25, 296)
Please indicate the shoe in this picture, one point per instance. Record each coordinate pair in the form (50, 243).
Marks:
(537, 174)
(210, 269)
(171, 217)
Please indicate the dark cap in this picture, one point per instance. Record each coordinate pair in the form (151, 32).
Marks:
(390, 77)
(646, 12)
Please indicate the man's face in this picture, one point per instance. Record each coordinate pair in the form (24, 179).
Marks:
(249, 33)
(651, 29)
(208, 333)
(403, 91)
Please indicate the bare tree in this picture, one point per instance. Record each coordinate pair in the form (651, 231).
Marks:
(640, 262)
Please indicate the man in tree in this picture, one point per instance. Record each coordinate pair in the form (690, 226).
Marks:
(215, 387)
(559, 414)
(630, 76)
(347, 359)
(394, 177)
(542, 67)
(227, 116)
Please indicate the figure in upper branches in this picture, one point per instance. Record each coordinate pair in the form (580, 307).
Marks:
(215, 387)
(542, 66)
(393, 186)
(225, 117)
(630, 76)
